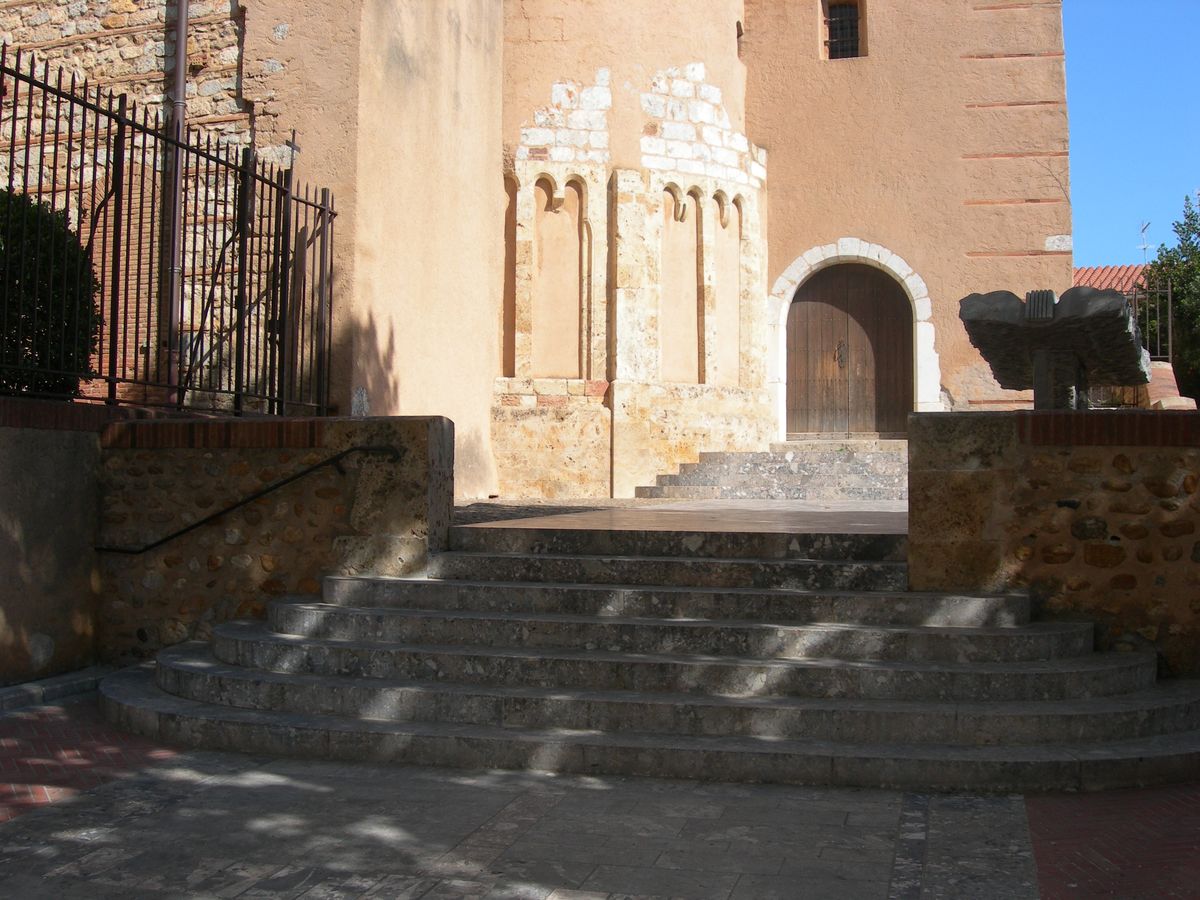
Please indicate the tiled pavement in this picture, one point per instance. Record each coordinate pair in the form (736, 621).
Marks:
(49, 753)
(197, 824)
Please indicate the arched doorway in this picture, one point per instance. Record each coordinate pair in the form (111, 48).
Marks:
(849, 353)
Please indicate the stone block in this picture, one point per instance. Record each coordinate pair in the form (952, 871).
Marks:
(564, 95)
(586, 120)
(962, 441)
(701, 111)
(568, 137)
(654, 105)
(679, 131)
(957, 565)
(550, 386)
(595, 98)
(946, 506)
(537, 137)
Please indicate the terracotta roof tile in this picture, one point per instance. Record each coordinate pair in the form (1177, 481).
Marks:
(1109, 278)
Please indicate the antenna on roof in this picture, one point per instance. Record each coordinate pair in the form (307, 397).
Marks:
(1143, 246)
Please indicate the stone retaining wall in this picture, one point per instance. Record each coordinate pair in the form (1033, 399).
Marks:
(380, 516)
(1096, 513)
(48, 576)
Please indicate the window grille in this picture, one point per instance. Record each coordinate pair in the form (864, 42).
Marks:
(843, 30)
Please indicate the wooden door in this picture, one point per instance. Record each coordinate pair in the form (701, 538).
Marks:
(849, 353)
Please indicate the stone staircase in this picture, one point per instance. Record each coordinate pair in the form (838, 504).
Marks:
(815, 469)
(741, 656)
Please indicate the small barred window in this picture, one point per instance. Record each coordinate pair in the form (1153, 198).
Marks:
(844, 26)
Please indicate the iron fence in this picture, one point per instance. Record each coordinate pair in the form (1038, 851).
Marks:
(214, 270)
(1152, 310)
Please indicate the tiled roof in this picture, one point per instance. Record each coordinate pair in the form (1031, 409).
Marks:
(1109, 278)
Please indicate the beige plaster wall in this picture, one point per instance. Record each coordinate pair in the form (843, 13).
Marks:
(727, 268)
(427, 283)
(679, 318)
(548, 41)
(557, 285)
(946, 144)
(49, 580)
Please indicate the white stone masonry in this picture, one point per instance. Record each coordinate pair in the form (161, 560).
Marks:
(573, 128)
(690, 132)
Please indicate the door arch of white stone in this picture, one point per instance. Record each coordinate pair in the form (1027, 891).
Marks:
(927, 386)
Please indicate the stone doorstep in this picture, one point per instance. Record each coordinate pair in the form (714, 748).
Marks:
(254, 645)
(1043, 640)
(547, 567)
(190, 671)
(781, 545)
(35, 693)
(132, 700)
(730, 604)
(703, 492)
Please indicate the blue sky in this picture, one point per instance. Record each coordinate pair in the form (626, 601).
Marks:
(1133, 94)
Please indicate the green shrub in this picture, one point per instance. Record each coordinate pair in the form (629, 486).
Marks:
(49, 321)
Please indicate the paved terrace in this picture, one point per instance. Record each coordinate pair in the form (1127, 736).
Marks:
(94, 813)
(89, 812)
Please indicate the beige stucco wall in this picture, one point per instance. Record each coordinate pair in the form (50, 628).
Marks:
(428, 245)
(376, 91)
(555, 40)
(48, 570)
(946, 145)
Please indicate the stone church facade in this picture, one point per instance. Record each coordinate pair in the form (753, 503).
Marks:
(603, 236)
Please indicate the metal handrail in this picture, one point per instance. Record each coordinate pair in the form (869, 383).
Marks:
(335, 461)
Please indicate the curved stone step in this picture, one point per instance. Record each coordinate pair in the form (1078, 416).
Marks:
(866, 608)
(643, 570)
(811, 491)
(253, 645)
(800, 467)
(189, 670)
(704, 637)
(836, 479)
(685, 544)
(131, 700)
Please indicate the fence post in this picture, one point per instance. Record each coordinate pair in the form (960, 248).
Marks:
(284, 262)
(1170, 325)
(118, 202)
(245, 205)
(324, 318)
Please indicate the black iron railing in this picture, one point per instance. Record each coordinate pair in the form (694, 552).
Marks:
(225, 306)
(393, 453)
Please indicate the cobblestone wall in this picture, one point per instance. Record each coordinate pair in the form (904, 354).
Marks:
(381, 517)
(1097, 514)
(128, 46)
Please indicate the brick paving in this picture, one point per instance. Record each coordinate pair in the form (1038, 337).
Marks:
(1132, 844)
(49, 753)
(89, 812)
